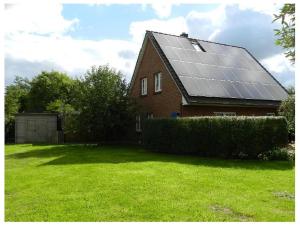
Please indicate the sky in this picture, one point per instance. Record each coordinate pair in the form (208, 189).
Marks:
(73, 37)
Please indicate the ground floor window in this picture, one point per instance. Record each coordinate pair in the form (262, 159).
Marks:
(270, 114)
(138, 123)
(225, 113)
(149, 115)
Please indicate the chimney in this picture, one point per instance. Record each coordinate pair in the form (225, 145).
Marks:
(183, 34)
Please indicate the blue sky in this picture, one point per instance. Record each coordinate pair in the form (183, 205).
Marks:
(73, 37)
(99, 21)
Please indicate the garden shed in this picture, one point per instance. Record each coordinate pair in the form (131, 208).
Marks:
(37, 128)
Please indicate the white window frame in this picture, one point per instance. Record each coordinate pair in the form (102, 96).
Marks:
(225, 113)
(157, 82)
(138, 123)
(144, 86)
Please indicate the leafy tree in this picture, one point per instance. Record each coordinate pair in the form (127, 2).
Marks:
(67, 114)
(105, 109)
(291, 90)
(287, 109)
(15, 97)
(97, 106)
(60, 106)
(15, 101)
(48, 87)
(286, 35)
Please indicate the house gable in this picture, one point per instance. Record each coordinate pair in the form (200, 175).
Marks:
(149, 63)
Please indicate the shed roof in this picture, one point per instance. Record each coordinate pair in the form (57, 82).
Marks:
(36, 114)
(217, 72)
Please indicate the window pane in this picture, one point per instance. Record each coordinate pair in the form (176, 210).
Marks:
(157, 83)
(196, 47)
(144, 86)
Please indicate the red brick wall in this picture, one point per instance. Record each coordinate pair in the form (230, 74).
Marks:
(240, 111)
(164, 103)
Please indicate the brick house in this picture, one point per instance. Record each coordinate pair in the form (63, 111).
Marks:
(182, 76)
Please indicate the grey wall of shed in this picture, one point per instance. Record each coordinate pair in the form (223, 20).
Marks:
(36, 129)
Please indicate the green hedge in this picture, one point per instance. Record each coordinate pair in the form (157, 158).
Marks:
(229, 137)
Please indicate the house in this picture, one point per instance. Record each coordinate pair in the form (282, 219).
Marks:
(38, 128)
(182, 76)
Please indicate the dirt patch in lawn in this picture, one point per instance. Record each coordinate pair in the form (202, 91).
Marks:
(284, 195)
(231, 212)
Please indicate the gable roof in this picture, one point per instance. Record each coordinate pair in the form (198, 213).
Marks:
(221, 74)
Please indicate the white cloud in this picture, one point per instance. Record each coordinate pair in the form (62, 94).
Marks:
(173, 26)
(208, 24)
(265, 7)
(71, 54)
(38, 18)
(215, 17)
(36, 34)
(162, 9)
(281, 68)
(278, 63)
(214, 34)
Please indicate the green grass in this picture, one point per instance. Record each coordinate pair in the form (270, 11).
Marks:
(87, 183)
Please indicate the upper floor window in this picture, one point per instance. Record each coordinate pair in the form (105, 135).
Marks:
(225, 113)
(157, 82)
(144, 86)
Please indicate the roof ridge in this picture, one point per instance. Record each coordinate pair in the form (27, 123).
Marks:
(196, 39)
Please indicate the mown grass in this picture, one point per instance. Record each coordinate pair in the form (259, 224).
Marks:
(88, 183)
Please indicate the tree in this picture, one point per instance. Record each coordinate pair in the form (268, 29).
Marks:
(291, 90)
(47, 88)
(105, 109)
(15, 97)
(287, 109)
(67, 114)
(286, 35)
(15, 101)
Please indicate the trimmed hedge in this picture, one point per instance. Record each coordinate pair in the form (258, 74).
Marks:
(228, 137)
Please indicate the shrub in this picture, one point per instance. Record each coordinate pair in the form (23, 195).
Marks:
(227, 137)
(287, 109)
(278, 154)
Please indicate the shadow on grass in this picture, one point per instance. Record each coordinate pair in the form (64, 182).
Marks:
(86, 154)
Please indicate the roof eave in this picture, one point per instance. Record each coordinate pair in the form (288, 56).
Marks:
(193, 100)
(138, 61)
(169, 67)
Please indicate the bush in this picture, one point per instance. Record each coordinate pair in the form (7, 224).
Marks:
(227, 137)
(287, 109)
(278, 154)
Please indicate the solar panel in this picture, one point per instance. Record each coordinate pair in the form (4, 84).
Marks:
(233, 92)
(222, 71)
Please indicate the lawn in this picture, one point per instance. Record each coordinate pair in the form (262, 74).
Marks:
(89, 183)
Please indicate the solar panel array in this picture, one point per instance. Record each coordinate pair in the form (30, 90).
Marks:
(222, 71)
